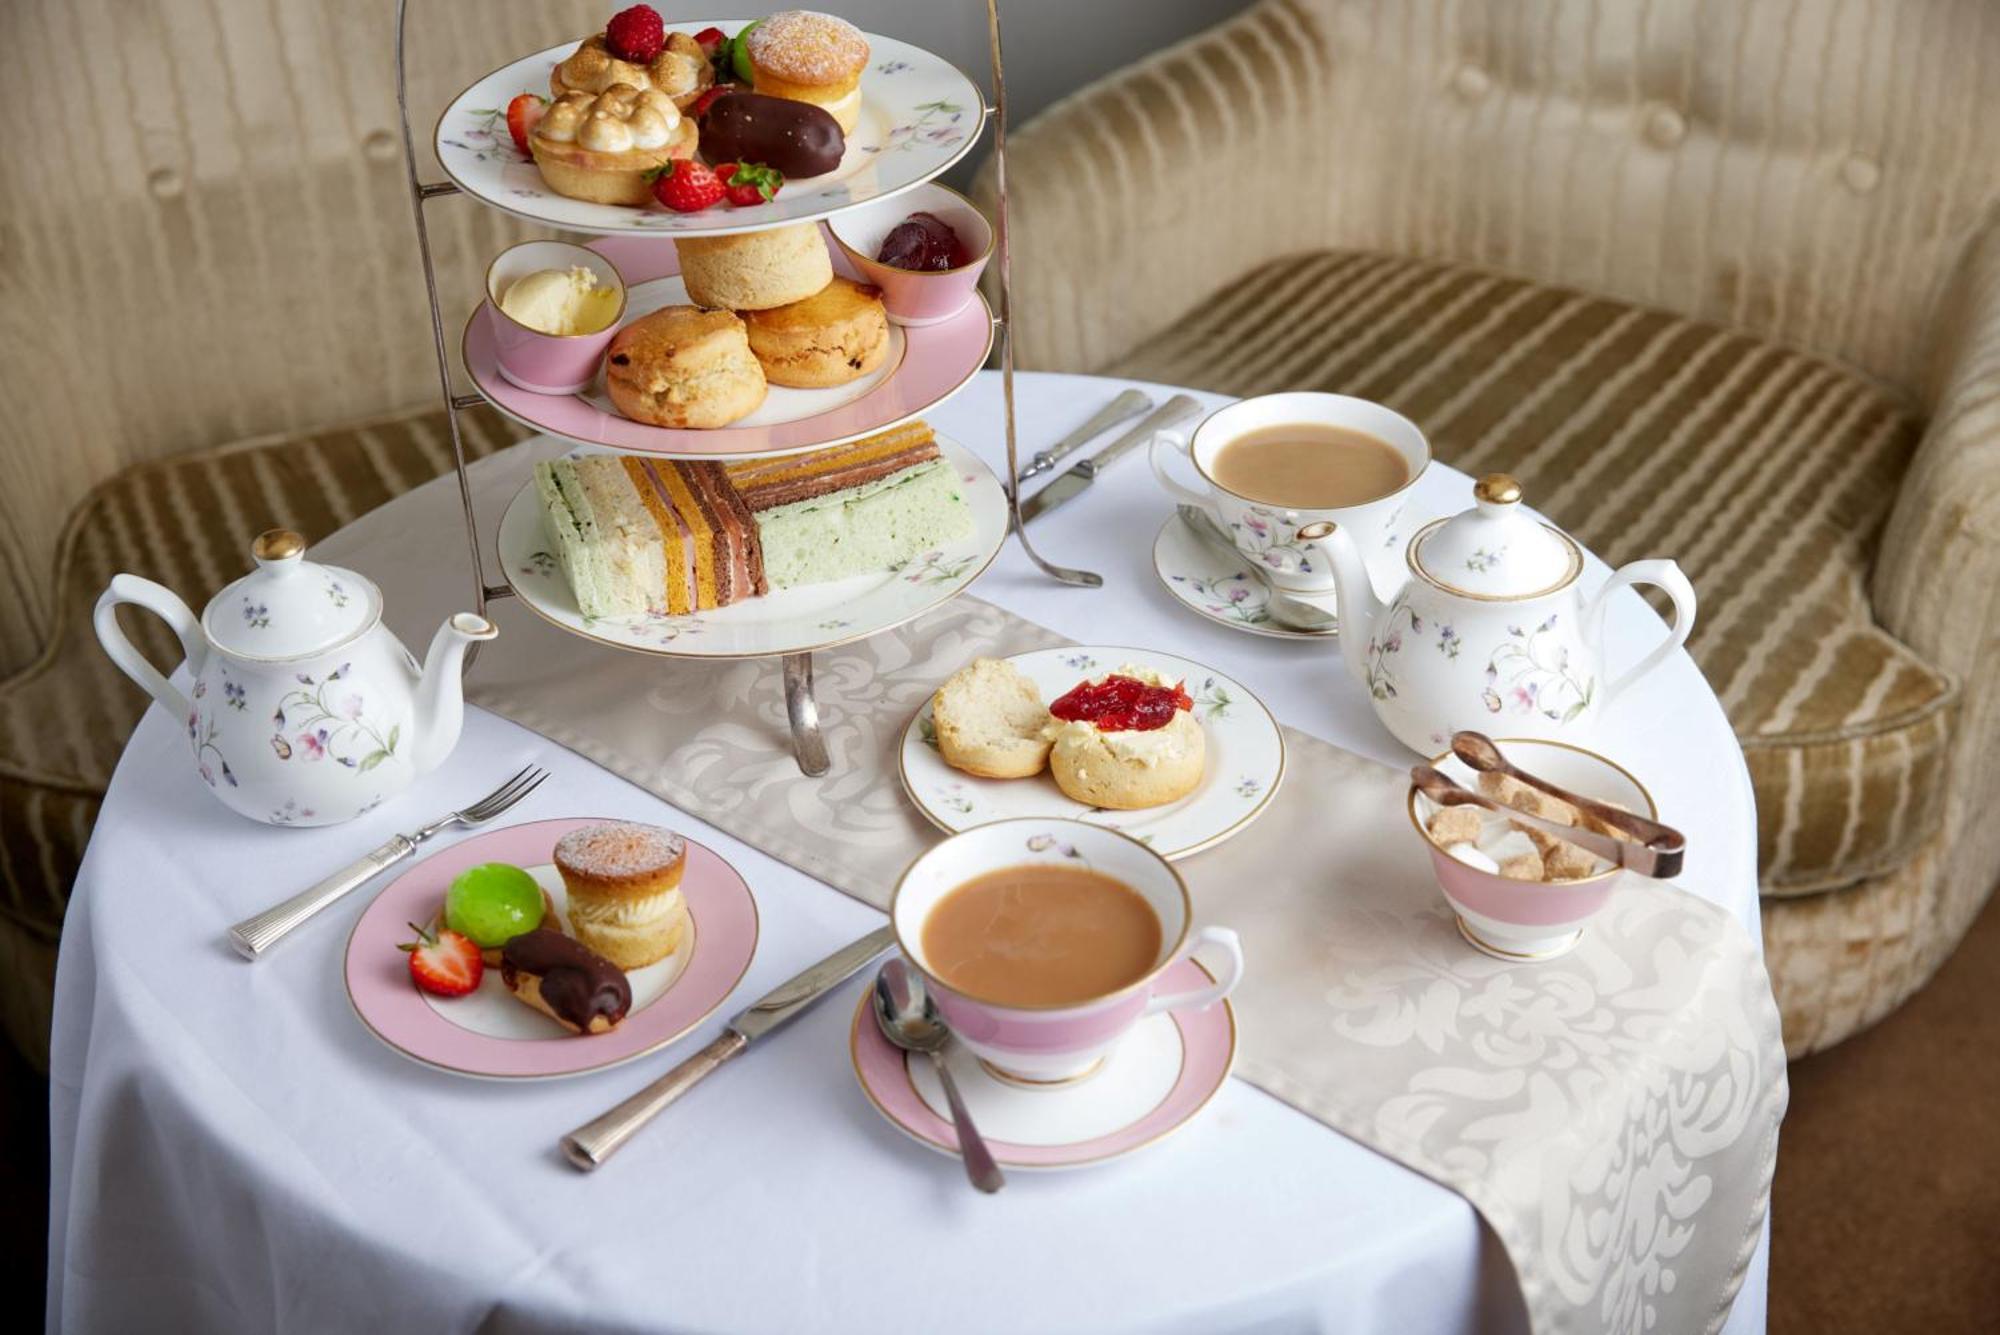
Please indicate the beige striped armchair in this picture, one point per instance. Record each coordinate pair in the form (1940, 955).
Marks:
(1715, 281)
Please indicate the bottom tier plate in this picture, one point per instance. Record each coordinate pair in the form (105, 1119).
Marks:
(788, 621)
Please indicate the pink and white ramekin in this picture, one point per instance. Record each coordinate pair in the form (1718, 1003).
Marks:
(1529, 920)
(1056, 1045)
(912, 297)
(548, 363)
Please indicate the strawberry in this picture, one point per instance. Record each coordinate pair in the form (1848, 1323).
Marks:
(685, 186)
(709, 39)
(748, 183)
(445, 963)
(636, 34)
(699, 107)
(523, 113)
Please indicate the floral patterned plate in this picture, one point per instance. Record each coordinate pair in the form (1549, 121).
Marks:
(788, 621)
(1246, 759)
(919, 115)
(1227, 592)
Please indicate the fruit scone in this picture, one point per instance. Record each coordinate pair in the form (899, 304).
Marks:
(637, 535)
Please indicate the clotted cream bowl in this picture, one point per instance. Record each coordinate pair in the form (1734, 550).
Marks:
(1043, 1046)
(540, 362)
(1529, 920)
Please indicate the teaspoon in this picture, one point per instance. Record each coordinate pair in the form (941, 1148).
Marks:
(909, 1020)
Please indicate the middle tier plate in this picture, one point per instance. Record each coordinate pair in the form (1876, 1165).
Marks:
(785, 621)
(925, 367)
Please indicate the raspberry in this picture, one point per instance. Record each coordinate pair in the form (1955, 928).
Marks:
(636, 34)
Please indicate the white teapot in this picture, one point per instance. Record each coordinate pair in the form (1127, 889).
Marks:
(305, 709)
(1491, 630)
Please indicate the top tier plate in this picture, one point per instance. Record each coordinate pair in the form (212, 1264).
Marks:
(919, 115)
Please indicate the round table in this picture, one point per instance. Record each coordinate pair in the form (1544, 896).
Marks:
(233, 1151)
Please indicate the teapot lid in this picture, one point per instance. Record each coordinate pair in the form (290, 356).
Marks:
(289, 607)
(1494, 550)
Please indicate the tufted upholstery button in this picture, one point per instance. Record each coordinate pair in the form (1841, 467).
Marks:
(1861, 174)
(1665, 127)
(380, 145)
(1471, 82)
(165, 183)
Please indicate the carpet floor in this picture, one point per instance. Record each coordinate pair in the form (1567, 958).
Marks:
(1887, 1205)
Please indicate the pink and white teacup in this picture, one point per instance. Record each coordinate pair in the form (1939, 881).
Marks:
(1055, 1045)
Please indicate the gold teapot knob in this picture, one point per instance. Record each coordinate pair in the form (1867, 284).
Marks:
(1497, 489)
(277, 544)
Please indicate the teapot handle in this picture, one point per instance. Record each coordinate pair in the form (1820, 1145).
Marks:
(162, 602)
(1663, 575)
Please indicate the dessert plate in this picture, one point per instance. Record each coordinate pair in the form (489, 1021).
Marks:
(919, 115)
(1213, 586)
(1245, 760)
(785, 621)
(1154, 1082)
(488, 1032)
(925, 367)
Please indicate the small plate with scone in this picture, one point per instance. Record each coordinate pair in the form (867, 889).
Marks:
(1170, 752)
(587, 943)
(895, 115)
(758, 344)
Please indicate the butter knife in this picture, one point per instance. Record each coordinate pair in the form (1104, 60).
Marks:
(1080, 475)
(1127, 405)
(591, 1144)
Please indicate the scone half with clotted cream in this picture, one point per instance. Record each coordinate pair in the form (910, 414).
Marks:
(624, 885)
(1124, 768)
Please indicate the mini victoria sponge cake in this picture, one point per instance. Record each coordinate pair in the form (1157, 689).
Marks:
(684, 367)
(604, 147)
(810, 57)
(839, 333)
(755, 271)
(624, 884)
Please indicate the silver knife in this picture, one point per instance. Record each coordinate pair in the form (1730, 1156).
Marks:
(1127, 405)
(591, 1144)
(1081, 474)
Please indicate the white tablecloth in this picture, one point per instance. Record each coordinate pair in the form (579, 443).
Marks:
(233, 1151)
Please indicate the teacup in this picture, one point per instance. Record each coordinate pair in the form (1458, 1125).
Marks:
(1268, 535)
(1045, 1046)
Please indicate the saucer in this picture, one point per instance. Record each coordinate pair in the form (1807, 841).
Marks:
(1245, 760)
(1155, 1081)
(1217, 588)
(490, 1033)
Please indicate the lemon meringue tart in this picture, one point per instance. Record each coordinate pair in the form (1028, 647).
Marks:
(604, 147)
(681, 70)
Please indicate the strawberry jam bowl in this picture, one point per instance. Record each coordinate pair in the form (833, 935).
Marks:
(926, 296)
(1525, 921)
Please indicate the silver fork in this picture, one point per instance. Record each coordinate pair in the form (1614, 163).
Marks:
(256, 935)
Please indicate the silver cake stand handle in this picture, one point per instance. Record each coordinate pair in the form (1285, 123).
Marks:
(808, 745)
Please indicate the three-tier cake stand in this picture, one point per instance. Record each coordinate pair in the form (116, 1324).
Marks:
(802, 709)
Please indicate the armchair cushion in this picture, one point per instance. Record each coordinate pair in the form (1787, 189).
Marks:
(186, 522)
(1765, 471)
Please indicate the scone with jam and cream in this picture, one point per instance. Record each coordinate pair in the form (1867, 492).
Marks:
(604, 147)
(1126, 740)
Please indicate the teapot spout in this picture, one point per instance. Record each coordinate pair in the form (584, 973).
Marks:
(1359, 606)
(440, 703)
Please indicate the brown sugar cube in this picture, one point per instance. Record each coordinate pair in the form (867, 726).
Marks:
(1602, 826)
(1454, 825)
(1512, 792)
(1522, 867)
(1561, 860)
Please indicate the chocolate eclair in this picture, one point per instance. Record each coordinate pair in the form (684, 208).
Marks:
(574, 985)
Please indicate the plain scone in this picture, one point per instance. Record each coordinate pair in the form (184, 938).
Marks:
(1088, 770)
(990, 720)
(682, 367)
(755, 271)
(838, 334)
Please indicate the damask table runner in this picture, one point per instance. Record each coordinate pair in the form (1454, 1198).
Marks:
(1612, 1114)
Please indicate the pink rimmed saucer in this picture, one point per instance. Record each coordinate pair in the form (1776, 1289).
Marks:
(1154, 1083)
(489, 1033)
(926, 367)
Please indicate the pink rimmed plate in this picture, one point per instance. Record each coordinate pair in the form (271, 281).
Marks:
(1154, 1083)
(924, 368)
(489, 1033)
